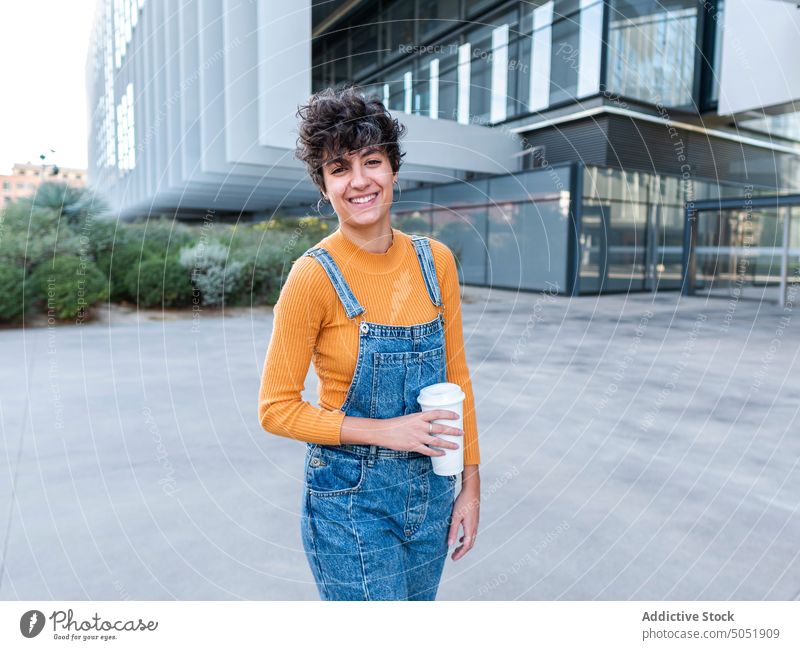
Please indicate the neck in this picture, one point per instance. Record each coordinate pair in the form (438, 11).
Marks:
(373, 239)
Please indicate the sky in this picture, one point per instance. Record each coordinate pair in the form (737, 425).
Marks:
(43, 45)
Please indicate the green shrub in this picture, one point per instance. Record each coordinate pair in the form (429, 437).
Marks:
(160, 237)
(102, 236)
(312, 228)
(214, 274)
(73, 204)
(66, 287)
(11, 281)
(267, 256)
(33, 235)
(160, 283)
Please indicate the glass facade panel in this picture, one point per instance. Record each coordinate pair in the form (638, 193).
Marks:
(448, 84)
(397, 89)
(564, 59)
(398, 27)
(340, 62)
(464, 232)
(436, 17)
(421, 104)
(414, 222)
(651, 50)
(716, 61)
(480, 90)
(528, 245)
(507, 231)
(364, 44)
(519, 73)
(474, 7)
(626, 246)
(739, 251)
(497, 72)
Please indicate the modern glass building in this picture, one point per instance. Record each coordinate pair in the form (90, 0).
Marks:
(552, 144)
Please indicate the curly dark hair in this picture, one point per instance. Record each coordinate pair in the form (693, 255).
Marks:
(344, 120)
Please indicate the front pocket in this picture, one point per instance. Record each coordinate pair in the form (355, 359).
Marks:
(398, 377)
(332, 473)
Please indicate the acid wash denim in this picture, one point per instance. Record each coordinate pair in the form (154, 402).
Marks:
(375, 521)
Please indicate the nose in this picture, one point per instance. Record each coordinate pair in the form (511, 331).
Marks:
(358, 178)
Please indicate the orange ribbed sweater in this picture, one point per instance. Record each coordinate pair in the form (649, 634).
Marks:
(310, 324)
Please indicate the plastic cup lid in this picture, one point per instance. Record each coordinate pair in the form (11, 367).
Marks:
(440, 394)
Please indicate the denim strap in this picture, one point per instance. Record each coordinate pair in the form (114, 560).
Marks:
(351, 305)
(423, 247)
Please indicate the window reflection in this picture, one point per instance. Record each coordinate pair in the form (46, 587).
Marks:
(651, 49)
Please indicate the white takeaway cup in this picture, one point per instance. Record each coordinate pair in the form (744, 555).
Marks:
(449, 397)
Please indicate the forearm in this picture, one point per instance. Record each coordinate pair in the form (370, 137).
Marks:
(471, 478)
(360, 431)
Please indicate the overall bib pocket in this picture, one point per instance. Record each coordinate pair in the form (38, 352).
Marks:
(331, 473)
(398, 377)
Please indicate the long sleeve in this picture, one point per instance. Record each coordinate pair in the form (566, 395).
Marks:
(299, 315)
(457, 371)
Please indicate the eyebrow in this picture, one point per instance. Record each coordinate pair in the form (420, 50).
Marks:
(341, 161)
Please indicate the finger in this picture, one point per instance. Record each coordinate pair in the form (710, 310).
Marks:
(433, 441)
(427, 451)
(443, 428)
(441, 414)
(453, 531)
(468, 542)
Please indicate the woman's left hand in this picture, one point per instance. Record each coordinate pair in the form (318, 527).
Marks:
(466, 512)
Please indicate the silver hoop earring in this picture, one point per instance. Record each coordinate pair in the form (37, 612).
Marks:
(399, 190)
(319, 212)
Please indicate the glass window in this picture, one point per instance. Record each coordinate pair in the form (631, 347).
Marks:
(413, 222)
(564, 59)
(436, 17)
(340, 61)
(448, 83)
(480, 91)
(463, 230)
(626, 246)
(519, 73)
(364, 45)
(474, 7)
(651, 50)
(396, 80)
(319, 67)
(716, 62)
(398, 26)
(422, 85)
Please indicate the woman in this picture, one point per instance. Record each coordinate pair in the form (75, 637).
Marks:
(379, 313)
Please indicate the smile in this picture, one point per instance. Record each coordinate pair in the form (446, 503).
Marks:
(363, 200)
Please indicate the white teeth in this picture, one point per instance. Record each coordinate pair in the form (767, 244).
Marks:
(365, 199)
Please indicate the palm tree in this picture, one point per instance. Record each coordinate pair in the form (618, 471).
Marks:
(74, 203)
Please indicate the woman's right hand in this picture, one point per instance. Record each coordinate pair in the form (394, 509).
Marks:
(413, 432)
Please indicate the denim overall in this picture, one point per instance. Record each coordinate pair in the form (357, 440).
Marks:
(374, 520)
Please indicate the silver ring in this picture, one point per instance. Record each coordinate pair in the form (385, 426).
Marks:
(430, 428)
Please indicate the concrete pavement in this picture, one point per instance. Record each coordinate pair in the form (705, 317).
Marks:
(633, 447)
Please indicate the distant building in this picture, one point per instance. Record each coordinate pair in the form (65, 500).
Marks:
(25, 178)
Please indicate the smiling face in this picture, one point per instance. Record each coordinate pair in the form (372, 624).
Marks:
(359, 186)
